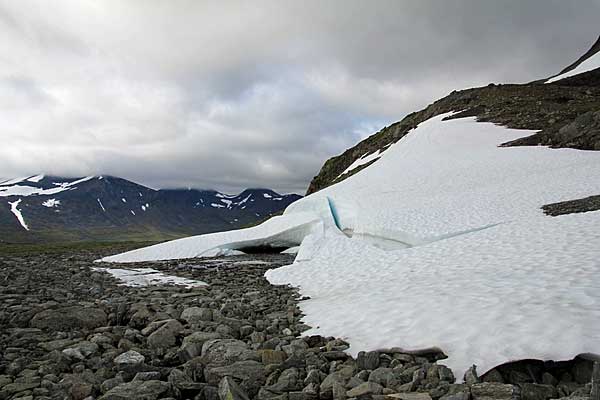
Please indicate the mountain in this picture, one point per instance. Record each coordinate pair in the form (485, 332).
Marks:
(51, 208)
(472, 226)
(563, 112)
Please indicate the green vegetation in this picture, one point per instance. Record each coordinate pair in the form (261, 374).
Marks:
(20, 249)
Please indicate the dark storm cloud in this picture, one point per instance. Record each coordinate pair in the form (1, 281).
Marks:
(233, 94)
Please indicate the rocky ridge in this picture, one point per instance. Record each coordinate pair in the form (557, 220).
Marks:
(68, 331)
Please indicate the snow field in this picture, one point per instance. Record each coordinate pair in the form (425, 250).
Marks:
(441, 242)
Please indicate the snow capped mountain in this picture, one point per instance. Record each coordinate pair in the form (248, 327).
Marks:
(432, 232)
(110, 208)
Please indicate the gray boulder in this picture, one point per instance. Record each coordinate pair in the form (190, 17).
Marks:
(227, 351)
(366, 388)
(138, 390)
(129, 358)
(534, 391)
(192, 344)
(250, 373)
(181, 381)
(196, 315)
(69, 318)
(367, 360)
(408, 396)
(457, 392)
(494, 391)
(229, 390)
(471, 376)
(165, 336)
(288, 381)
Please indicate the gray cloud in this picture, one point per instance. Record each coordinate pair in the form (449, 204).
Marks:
(240, 94)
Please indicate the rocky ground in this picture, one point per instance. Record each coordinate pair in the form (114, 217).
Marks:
(70, 332)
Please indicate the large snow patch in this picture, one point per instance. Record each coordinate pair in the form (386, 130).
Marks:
(441, 242)
(276, 232)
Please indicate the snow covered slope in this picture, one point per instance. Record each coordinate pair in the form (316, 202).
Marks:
(590, 64)
(442, 242)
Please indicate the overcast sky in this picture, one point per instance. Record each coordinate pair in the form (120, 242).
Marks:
(228, 94)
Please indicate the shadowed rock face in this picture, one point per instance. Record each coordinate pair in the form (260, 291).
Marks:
(564, 113)
(591, 203)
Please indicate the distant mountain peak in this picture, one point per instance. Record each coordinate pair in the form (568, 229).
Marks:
(112, 208)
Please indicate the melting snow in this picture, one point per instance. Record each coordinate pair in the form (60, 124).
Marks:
(267, 196)
(101, 206)
(123, 200)
(217, 205)
(17, 213)
(278, 231)
(51, 203)
(442, 243)
(148, 276)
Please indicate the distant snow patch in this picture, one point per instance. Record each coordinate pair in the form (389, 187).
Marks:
(217, 205)
(136, 277)
(24, 190)
(17, 213)
(36, 178)
(227, 202)
(244, 200)
(267, 196)
(51, 203)
(133, 212)
(101, 206)
(13, 181)
(123, 200)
